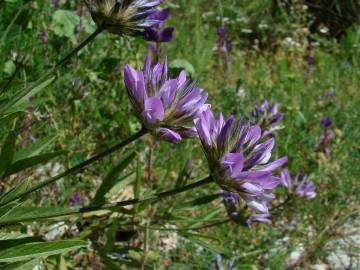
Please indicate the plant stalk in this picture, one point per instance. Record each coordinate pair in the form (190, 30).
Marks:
(81, 166)
(156, 197)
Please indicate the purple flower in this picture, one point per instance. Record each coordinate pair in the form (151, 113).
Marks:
(166, 107)
(326, 137)
(43, 36)
(268, 117)
(125, 17)
(305, 188)
(155, 33)
(220, 265)
(326, 122)
(223, 50)
(239, 158)
(310, 60)
(75, 199)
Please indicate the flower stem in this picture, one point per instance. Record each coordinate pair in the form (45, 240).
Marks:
(80, 166)
(156, 197)
(67, 58)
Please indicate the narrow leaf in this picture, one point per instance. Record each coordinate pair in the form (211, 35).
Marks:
(7, 152)
(5, 119)
(22, 214)
(39, 250)
(35, 148)
(12, 236)
(112, 179)
(14, 192)
(27, 265)
(31, 162)
(25, 93)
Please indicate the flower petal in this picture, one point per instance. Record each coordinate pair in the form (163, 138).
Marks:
(153, 111)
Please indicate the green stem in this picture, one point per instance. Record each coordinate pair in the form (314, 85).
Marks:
(156, 197)
(80, 166)
(67, 58)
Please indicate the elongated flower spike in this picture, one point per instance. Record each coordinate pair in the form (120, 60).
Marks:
(305, 188)
(239, 159)
(166, 107)
(268, 117)
(125, 17)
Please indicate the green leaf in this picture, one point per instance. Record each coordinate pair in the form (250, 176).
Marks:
(63, 24)
(11, 116)
(35, 148)
(112, 179)
(31, 162)
(4, 210)
(7, 152)
(183, 64)
(195, 238)
(14, 192)
(23, 214)
(24, 94)
(9, 67)
(21, 265)
(12, 236)
(39, 250)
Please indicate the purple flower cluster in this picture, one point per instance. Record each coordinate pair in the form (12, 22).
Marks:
(239, 159)
(305, 188)
(268, 117)
(326, 137)
(156, 33)
(126, 17)
(166, 107)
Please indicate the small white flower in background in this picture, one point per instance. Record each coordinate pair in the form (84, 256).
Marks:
(324, 30)
(263, 26)
(241, 93)
(246, 31)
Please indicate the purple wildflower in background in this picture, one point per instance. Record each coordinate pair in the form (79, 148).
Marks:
(239, 158)
(268, 117)
(220, 265)
(166, 107)
(75, 199)
(157, 35)
(310, 60)
(125, 17)
(326, 137)
(305, 188)
(43, 36)
(223, 46)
